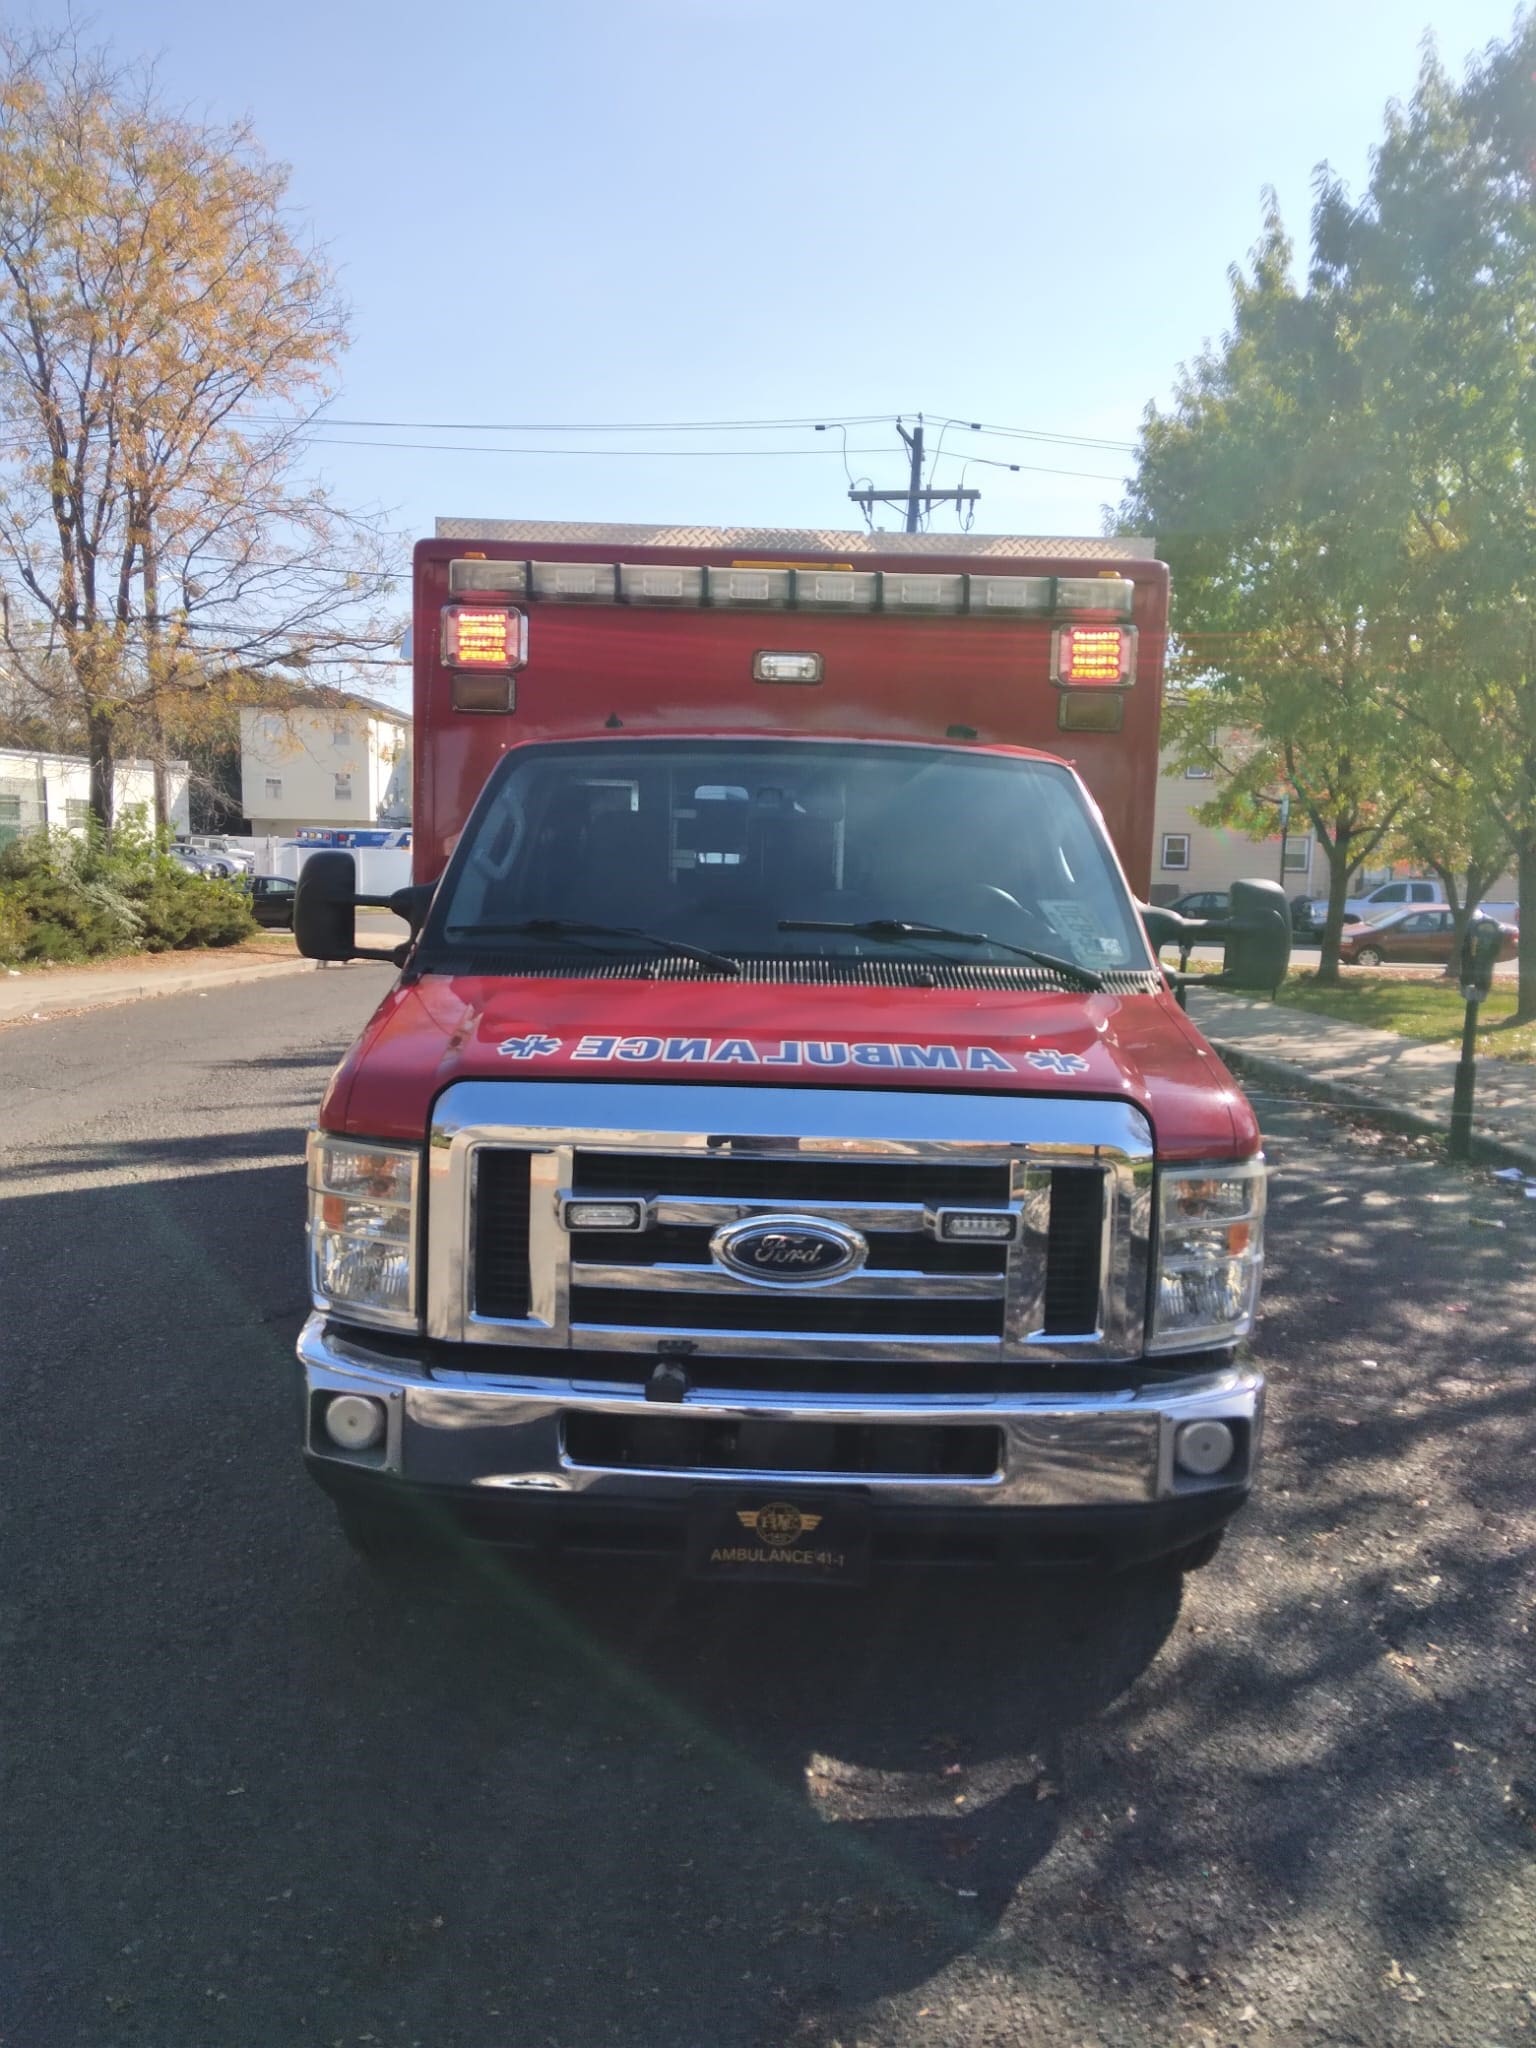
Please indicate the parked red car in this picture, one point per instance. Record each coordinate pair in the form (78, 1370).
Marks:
(1410, 934)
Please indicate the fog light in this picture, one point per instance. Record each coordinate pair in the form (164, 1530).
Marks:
(604, 1215)
(354, 1423)
(1203, 1448)
(974, 1226)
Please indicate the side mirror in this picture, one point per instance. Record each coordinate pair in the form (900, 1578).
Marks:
(1255, 933)
(1166, 927)
(412, 903)
(1481, 944)
(1258, 937)
(325, 907)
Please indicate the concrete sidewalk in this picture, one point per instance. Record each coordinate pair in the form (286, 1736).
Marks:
(1407, 1080)
(47, 992)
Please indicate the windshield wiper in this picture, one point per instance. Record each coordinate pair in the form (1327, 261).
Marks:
(895, 929)
(576, 928)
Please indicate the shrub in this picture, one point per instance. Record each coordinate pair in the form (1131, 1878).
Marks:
(178, 909)
(15, 928)
(78, 899)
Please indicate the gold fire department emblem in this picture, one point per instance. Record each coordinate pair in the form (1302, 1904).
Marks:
(778, 1524)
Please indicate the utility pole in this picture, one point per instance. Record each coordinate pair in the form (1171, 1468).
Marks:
(916, 495)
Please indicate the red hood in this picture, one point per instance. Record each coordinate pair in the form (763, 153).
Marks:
(1138, 1048)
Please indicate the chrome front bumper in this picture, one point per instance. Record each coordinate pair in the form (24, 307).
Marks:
(505, 1435)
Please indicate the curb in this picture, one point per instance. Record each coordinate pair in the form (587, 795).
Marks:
(194, 980)
(1485, 1148)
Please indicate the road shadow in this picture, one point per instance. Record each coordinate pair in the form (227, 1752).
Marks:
(252, 1794)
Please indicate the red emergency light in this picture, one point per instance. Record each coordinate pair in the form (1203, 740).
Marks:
(484, 637)
(1093, 655)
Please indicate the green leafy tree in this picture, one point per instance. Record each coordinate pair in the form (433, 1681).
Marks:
(1436, 265)
(1448, 829)
(1248, 481)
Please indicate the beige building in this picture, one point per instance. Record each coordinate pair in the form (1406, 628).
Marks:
(1187, 855)
(341, 761)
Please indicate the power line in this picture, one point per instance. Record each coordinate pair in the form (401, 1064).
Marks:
(1046, 434)
(863, 419)
(651, 454)
(688, 454)
(1041, 434)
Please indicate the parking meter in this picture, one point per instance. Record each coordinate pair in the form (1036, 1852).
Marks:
(1480, 945)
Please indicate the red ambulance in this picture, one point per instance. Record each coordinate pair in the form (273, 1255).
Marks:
(782, 1148)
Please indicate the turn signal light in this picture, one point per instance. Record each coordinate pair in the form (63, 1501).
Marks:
(483, 637)
(1092, 654)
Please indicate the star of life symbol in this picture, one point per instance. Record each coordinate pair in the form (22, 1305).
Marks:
(1053, 1062)
(537, 1045)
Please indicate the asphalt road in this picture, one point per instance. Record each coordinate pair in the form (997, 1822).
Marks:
(249, 1798)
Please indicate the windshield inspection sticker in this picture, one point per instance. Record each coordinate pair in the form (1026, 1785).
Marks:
(791, 1052)
(1076, 922)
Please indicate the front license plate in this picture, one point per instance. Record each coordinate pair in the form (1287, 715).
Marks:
(782, 1539)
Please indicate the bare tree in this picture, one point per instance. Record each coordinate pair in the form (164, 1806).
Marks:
(166, 338)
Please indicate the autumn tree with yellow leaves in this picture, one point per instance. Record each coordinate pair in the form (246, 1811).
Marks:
(167, 336)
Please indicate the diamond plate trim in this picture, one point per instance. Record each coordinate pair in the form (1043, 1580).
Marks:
(805, 540)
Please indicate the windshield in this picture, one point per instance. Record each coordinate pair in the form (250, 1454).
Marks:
(717, 844)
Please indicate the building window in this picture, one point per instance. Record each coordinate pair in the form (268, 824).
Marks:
(77, 813)
(1298, 854)
(1176, 850)
(344, 787)
(1198, 774)
(339, 735)
(274, 785)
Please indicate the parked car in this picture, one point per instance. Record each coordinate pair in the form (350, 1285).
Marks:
(1379, 902)
(196, 863)
(213, 856)
(1410, 934)
(1203, 903)
(272, 900)
(239, 857)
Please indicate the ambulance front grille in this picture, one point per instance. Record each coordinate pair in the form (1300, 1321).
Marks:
(509, 1265)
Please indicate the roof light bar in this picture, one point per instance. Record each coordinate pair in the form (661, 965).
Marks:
(922, 593)
(838, 590)
(660, 583)
(470, 575)
(753, 589)
(1113, 595)
(575, 582)
(800, 586)
(1004, 594)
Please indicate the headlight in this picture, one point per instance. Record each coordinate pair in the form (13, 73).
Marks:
(362, 1229)
(1210, 1254)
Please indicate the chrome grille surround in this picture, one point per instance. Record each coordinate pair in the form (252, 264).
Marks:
(555, 1120)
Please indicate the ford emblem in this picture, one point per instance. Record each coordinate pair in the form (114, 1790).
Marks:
(788, 1251)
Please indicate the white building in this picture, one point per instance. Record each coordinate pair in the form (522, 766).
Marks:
(342, 761)
(55, 789)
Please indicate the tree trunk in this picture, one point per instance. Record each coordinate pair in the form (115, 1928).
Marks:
(101, 744)
(1479, 881)
(1460, 911)
(1339, 865)
(1525, 868)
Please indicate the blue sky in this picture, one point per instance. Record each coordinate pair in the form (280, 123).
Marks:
(688, 210)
